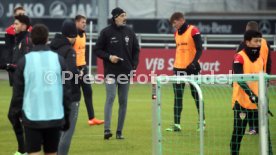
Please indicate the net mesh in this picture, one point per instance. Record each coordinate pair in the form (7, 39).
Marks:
(182, 137)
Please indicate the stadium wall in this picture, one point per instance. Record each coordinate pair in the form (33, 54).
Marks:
(161, 61)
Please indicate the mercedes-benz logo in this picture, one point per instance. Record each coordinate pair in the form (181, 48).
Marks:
(163, 26)
(265, 27)
(58, 9)
(1, 10)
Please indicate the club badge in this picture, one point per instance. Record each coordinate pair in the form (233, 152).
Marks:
(242, 115)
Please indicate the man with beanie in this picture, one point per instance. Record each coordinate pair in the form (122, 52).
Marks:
(22, 46)
(43, 103)
(79, 47)
(62, 44)
(118, 47)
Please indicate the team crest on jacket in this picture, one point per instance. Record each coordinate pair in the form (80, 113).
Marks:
(126, 40)
(242, 115)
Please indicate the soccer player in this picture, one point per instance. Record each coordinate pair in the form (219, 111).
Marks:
(118, 46)
(79, 47)
(22, 46)
(43, 103)
(245, 95)
(63, 45)
(265, 54)
(188, 51)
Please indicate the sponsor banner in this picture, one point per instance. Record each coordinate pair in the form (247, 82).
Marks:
(161, 62)
(53, 12)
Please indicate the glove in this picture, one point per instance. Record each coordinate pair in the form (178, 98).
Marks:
(10, 67)
(254, 99)
(194, 67)
(66, 126)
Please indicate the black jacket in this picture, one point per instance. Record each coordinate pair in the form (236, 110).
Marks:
(122, 42)
(23, 45)
(63, 47)
(18, 95)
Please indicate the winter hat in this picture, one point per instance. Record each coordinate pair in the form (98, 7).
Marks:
(23, 19)
(69, 29)
(117, 12)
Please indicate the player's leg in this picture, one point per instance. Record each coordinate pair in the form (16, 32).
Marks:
(18, 130)
(110, 86)
(123, 97)
(178, 97)
(240, 121)
(66, 136)
(51, 140)
(87, 94)
(88, 99)
(33, 140)
(178, 101)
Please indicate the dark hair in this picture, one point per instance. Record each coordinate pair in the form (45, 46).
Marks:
(39, 34)
(176, 16)
(18, 8)
(252, 25)
(23, 19)
(248, 35)
(79, 17)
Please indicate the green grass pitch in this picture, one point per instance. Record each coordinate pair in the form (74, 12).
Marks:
(138, 126)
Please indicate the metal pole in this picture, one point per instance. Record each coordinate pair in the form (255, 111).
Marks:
(90, 48)
(156, 118)
(103, 14)
(205, 42)
(201, 120)
(263, 112)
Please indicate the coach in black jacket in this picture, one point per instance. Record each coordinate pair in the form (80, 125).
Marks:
(117, 45)
(62, 44)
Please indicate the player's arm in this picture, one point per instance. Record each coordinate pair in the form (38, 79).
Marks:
(67, 101)
(18, 89)
(268, 64)
(198, 43)
(238, 69)
(136, 51)
(100, 47)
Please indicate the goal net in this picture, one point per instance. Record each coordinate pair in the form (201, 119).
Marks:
(202, 121)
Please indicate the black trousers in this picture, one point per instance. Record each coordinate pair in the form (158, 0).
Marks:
(241, 118)
(178, 97)
(17, 126)
(87, 93)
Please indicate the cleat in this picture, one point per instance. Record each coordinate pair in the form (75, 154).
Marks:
(18, 153)
(175, 128)
(95, 121)
(107, 134)
(251, 132)
(119, 135)
(204, 126)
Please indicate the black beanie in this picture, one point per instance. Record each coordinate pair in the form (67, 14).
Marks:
(23, 19)
(69, 29)
(117, 12)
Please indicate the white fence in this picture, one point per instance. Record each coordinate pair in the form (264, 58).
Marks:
(167, 40)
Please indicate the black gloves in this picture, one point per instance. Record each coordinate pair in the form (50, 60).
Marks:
(8, 67)
(253, 98)
(193, 68)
